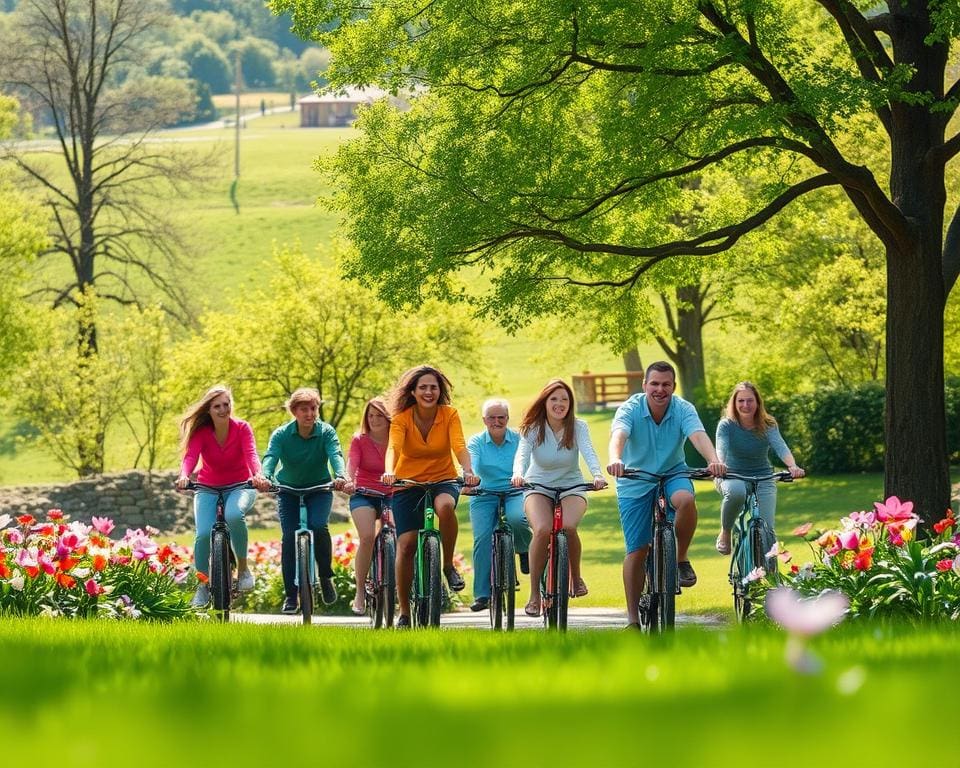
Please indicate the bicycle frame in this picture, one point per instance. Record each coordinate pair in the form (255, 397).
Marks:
(502, 572)
(222, 586)
(752, 540)
(380, 583)
(427, 585)
(553, 595)
(303, 532)
(661, 583)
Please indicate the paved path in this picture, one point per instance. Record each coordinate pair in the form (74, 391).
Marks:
(579, 619)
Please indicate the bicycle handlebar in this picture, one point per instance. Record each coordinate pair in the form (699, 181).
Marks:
(478, 491)
(195, 486)
(780, 477)
(404, 483)
(363, 491)
(554, 489)
(275, 487)
(635, 473)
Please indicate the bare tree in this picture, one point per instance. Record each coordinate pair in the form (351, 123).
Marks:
(107, 185)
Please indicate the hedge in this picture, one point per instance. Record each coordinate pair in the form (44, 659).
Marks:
(838, 430)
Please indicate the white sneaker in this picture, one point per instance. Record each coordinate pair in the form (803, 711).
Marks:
(245, 581)
(202, 596)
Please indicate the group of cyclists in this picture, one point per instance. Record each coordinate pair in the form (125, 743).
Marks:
(414, 433)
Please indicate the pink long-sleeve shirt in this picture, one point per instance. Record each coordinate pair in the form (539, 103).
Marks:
(233, 462)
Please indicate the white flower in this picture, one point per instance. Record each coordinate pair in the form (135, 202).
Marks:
(755, 575)
(80, 573)
(805, 616)
(17, 582)
(805, 572)
(5, 521)
(956, 565)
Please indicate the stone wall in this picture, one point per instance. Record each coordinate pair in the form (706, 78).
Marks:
(133, 499)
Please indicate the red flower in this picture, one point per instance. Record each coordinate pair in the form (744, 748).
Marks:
(864, 559)
(55, 514)
(26, 519)
(794, 569)
(202, 577)
(945, 565)
(66, 581)
(5, 572)
(67, 563)
(99, 562)
(946, 523)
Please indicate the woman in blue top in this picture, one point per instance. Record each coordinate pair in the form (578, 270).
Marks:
(551, 441)
(744, 438)
(305, 450)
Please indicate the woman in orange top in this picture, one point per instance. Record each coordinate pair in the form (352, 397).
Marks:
(425, 435)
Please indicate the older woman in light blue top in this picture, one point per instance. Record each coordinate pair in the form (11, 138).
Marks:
(551, 441)
(491, 453)
(744, 438)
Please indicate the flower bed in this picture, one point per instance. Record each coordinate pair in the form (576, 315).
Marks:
(56, 567)
(876, 559)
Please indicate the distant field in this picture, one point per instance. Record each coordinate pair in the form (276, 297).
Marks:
(251, 101)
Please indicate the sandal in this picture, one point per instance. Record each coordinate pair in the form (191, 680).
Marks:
(532, 609)
(723, 547)
(580, 588)
(362, 611)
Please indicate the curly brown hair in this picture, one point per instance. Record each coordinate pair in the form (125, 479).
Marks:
(401, 397)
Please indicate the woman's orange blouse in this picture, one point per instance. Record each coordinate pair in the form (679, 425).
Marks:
(426, 460)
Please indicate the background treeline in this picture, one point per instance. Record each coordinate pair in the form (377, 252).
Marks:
(202, 42)
(838, 429)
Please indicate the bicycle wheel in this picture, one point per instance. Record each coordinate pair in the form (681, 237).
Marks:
(496, 582)
(220, 583)
(667, 580)
(560, 588)
(372, 584)
(388, 579)
(304, 587)
(502, 577)
(648, 599)
(433, 603)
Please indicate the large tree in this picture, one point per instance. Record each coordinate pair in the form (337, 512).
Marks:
(108, 187)
(551, 135)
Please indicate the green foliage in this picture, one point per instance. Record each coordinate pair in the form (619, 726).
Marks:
(307, 327)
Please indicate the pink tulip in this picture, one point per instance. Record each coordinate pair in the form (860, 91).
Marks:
(103, 524)
(893, 509)
(805, 617)
(850, 539)
(93, 589)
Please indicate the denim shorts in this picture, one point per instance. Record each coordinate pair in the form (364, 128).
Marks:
(636, 514)
(408, 505)
(358, 500)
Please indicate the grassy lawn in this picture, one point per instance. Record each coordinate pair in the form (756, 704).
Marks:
(243, 695)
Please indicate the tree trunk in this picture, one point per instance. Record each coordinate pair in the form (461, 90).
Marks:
(915, 466)
(688, 355)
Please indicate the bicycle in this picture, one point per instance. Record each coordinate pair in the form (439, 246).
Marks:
(305, 574)
(555, 580)
(381, 583)
(503, 574)
(661, 584)
(751, 541)
(427, 595)
(222, 588)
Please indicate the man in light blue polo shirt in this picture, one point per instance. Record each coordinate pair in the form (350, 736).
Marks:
(491, 454)
(648, 432)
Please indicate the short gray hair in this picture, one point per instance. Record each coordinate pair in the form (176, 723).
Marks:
(494, 401)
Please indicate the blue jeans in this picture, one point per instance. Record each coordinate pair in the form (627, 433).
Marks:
(319, 505)
(483, 518)
(735, 491)
(236, 504)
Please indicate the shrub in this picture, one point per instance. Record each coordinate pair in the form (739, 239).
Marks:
(61, 568)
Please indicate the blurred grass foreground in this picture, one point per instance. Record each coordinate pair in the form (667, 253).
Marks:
(106, 693)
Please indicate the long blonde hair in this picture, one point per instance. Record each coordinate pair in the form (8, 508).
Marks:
(535, 417)
(198, 414)
(762, 420)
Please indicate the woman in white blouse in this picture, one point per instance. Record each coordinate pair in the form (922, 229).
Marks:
(551, 441)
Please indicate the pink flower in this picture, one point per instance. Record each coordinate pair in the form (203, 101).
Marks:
(893, 510)
(850, 539)
(865, 519)
(103, 524)
(945, 565)
(93, 589)
(805, 617)
(802, 530)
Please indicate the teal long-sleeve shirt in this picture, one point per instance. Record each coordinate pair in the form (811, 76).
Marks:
(303, 461)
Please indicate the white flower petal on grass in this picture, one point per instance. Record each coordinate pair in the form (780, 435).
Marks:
(805, 616)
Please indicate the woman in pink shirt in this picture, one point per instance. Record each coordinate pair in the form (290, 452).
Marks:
(364, 468)
(228, 453)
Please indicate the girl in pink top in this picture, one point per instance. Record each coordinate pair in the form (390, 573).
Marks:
(228, 453)
(364, 468)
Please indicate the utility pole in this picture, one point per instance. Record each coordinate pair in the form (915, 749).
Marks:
(237, 87)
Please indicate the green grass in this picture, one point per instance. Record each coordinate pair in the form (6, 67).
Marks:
(95, 693)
